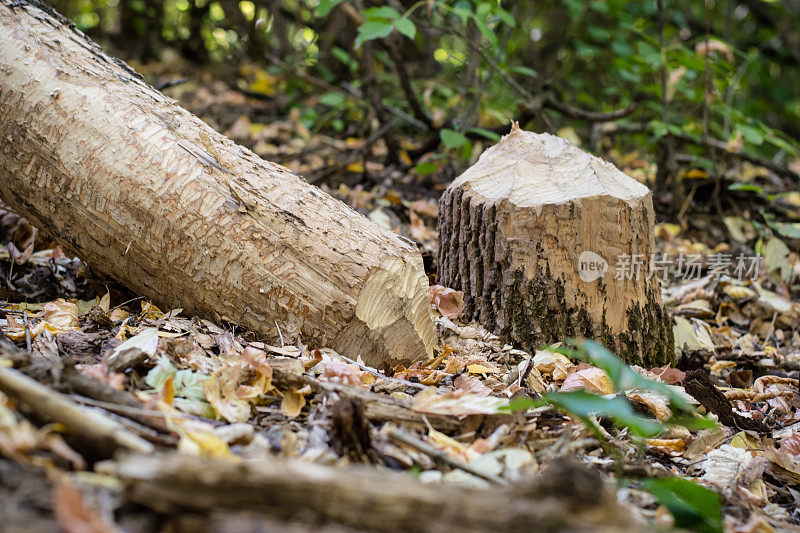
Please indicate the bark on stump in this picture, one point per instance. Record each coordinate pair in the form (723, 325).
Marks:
(147, 193)
(526, 233)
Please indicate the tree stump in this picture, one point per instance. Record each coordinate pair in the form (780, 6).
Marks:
(549, 242)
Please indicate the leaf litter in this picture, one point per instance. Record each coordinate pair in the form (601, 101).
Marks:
(211, 389)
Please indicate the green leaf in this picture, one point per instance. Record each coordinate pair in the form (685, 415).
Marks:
(406, 27)
(463, 10)
(372, 30)
(694, 507)
(746, 187)
(787, 229)
(159, 374)
(505, 16)
(623, 376)
(325, 7)
(751, 134)
(618, 409)
(332, 99)
(423, 169)
(489, 34)
(489, 134)
(189, 384)
(525, 71)
(649, 55)
(383, 13)
(451, 138)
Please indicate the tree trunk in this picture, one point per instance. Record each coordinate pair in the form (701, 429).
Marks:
(521, 231)
(147, 193)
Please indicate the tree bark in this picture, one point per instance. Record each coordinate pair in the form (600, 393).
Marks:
(565, 497)
(147, 193)
(513, 230)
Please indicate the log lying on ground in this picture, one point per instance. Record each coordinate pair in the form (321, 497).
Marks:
(147, 193)
(537, 234)
(565, 497)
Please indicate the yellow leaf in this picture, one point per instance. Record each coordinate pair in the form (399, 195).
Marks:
(696, 174)
(151, 311)
(264, 83)
(746, 442)
(292, 404)
(738, 292)
(356, 167)
(480, 369)
(118, 314)
(204, 443)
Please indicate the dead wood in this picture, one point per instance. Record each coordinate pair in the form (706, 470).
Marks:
(699, 386)
(549, 242)
(89, 424)
(148, 194)
(563, 497)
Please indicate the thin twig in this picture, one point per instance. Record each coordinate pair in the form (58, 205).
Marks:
(374, 372)
(440, 457)
(91, 425)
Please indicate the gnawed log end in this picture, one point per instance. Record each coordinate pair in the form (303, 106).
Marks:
(392, 324)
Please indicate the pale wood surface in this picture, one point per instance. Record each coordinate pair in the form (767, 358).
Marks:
(147, 193)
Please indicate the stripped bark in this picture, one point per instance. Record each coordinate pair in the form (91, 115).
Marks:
(512, 231)
(147, 193)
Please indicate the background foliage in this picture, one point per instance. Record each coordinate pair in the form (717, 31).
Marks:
(694, 88)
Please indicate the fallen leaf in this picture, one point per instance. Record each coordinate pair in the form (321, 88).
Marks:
(75, 514)
(589, 379)
(553, 363)
(471, 385)
(458, 403)
(481, 369)
(292, 404)
(448, 302)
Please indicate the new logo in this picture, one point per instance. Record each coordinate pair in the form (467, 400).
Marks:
(591, 266)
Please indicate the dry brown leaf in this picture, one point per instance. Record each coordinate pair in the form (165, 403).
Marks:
(61, 314)
(448, 302)
(451, 447)
(100, 372)
(589, 379)
(75, 515)
(472, 385)
(657, 403)
(343, 373)
(454, 365)
(670, 446)
(553, 363)
(791, 444)
(229, 393)
(458, 403)
(714, 45)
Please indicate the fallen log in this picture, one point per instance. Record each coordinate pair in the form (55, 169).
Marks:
(148, 194)
(537, 233)
(565, 497)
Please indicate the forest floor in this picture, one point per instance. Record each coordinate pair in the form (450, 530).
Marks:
(213, 389)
